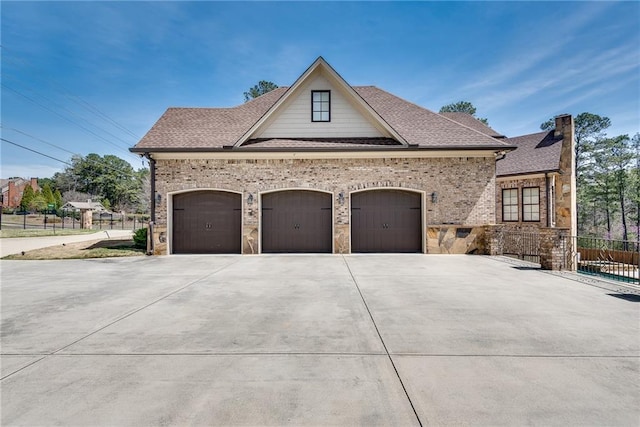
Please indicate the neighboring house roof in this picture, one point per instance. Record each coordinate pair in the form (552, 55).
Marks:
(96, 206)
(4, 183)
(472, 122)
(405, 123)
(536, 153)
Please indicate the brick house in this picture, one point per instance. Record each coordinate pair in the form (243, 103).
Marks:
(322, 167)
(13, 188)
(536, 183)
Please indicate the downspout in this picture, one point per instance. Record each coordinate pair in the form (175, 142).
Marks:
(549, 202)
(152, 172)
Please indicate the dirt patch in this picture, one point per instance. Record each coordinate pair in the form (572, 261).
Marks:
(80, 250)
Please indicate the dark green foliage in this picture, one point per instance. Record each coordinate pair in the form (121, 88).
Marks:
(108, 177)
(47, 194)
(261, 88)
(27, 197)
(462, 107)
(140, 238)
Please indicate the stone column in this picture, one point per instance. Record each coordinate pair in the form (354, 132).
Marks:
(159, 239)
(493, 239)
(565, 194)
(86, 218)
(555, 248)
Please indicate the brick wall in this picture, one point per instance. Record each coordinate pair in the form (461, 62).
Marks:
(520, 184)
(465, 187)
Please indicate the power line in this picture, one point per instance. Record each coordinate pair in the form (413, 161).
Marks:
(46, 142)
(65, 118)
(34, 151)
(39, 139)
(71, 113)
(71, 96)
(94, 161)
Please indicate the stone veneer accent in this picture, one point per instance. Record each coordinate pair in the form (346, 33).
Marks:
(566, 190)
(465, 187)
(455, 239)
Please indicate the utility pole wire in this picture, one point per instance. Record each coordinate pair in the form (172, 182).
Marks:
(65, 118)
(67, 151)
(34, 151)
(103, 164)
(69, 94)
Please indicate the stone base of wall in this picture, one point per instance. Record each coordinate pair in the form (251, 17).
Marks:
(250, 240)
(554, 248)
(341, 239)
(159, 246)
(455, 239)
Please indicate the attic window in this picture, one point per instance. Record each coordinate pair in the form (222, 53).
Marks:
(320, 106)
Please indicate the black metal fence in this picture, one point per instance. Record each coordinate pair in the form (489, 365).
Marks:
(524, 245)
(614, 259)
(63, 219)
(611, 259)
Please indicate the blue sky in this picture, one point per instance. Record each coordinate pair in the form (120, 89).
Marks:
(95, 76)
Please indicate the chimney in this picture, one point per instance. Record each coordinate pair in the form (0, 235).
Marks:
(565, 194)
(11, 195)
(34, 184)
(564, 125)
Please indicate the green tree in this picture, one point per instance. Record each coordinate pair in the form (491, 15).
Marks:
(58, 199)
(261, 88)
(611, 178)
(634, 187)
(46, 181)
(108, 177)
(588, 128)
(48, 194)
(620, 156)
(38, 202)
(462, 107)
(27, 196)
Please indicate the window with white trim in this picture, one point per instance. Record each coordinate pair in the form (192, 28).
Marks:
(531, 204)
(510, 204)
(320, 106)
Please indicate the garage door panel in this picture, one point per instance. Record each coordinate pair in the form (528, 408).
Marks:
(207, 222)
(296, 221)
(386, 221)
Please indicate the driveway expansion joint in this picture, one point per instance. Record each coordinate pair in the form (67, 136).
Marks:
(125, 316)
(364, 301)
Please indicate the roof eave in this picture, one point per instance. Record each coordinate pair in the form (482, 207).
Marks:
(513, 174)
(146, 150)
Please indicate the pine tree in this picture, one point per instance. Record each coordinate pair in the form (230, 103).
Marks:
(27, 196)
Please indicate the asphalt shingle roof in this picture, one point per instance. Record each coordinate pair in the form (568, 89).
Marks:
(214, 128)
(537, 152)
(470, 121)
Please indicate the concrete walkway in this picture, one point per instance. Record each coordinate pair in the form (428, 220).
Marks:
(16, 245)
(319, 340)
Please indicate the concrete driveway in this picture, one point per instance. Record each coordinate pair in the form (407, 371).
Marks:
(313, 340)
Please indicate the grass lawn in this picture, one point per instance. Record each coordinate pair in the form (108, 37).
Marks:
(41, 232)
(82, 250)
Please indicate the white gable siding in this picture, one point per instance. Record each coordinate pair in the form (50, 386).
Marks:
(294, 120)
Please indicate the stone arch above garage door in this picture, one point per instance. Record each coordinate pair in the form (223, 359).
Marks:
(386, 220)
(207, 222)
(297, 221)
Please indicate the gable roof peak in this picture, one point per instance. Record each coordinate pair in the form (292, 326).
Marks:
(333, 77)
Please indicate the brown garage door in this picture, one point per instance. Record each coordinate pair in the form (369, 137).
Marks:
(207, 222)
(386, 221)
(296, 221)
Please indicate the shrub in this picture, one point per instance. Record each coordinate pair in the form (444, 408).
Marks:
(140, 238)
